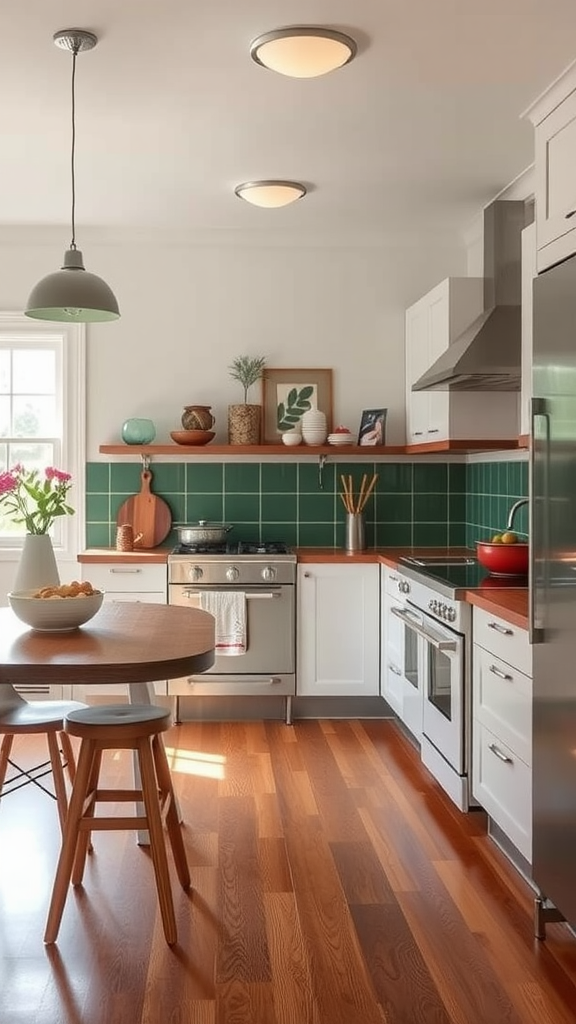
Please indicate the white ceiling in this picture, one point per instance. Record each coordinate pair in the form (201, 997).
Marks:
(416, 134)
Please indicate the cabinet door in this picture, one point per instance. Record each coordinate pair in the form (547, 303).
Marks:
(555, 158)
(338, 630)
(417, 402)
(438, 339)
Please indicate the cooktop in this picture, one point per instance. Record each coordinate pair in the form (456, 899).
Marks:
(457, 573)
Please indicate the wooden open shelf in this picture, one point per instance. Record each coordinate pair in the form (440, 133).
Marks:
(341, 452)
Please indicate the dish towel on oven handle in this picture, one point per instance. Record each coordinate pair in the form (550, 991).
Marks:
(229, 610)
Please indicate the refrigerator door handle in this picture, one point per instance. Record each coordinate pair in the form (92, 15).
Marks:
(539, 540)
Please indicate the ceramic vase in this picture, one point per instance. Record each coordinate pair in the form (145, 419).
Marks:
(37, 566)
(314, 430)
(197, 417)
(244, 424)
(138, 431)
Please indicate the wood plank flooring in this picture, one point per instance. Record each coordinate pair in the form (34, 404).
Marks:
(333, 883)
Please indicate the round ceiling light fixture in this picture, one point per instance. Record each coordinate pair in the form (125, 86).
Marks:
(270, 194)
(303, 51)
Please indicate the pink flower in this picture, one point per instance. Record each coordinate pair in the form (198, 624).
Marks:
(32, 502)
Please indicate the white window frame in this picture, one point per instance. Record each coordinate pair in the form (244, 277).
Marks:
(68, 539)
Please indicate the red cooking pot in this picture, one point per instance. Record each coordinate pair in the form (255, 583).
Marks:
(503, 559)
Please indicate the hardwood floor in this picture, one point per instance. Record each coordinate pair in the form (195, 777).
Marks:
(333, 883)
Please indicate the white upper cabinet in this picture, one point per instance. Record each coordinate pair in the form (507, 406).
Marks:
(432, 324)
(554, 118)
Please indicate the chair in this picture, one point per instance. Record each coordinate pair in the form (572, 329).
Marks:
(19, 717)
(120, 727)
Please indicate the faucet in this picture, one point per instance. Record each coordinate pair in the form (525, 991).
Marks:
(513, 511)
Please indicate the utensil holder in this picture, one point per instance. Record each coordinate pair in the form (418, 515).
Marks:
(355, 531)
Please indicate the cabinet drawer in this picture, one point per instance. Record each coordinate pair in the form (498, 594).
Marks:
(136, 578)
(503, 640)
(503, 701)
(502, 784)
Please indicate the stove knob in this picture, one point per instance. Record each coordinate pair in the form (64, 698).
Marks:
(232, 573)
(195, 573)
(451, 614)
(268, 573)
(433, 605)
(442, 611)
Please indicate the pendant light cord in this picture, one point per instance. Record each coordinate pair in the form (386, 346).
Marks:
(74, 55)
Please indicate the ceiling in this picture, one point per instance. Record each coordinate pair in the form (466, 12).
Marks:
(415, 135)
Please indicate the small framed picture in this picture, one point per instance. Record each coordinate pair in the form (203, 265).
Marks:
(373, 427)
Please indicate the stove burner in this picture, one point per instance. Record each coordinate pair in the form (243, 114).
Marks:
(242, 547)
(268, 547)
(204, 549)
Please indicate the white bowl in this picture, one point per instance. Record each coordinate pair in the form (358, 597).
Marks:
(340, 438)
(291, 437)
(54, 614)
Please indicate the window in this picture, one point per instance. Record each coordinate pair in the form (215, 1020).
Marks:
(42, 401)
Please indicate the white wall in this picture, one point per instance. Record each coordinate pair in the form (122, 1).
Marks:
(189, 308)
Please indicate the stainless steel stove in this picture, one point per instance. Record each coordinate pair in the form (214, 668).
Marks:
(262, 578)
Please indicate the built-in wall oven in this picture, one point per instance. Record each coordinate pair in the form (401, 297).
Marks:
(265, 576)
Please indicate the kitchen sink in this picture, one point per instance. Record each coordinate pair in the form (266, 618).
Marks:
(425, 560)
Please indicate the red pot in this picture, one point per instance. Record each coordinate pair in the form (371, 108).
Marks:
(503, 559)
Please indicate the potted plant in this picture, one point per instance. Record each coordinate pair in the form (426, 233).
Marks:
(244, 421)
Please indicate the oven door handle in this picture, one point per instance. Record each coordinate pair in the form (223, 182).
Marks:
(267, 595)
(408, 620)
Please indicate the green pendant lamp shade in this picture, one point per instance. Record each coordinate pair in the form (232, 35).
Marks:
(71, 294)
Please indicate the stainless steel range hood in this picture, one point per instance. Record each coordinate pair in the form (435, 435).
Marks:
(487, 356)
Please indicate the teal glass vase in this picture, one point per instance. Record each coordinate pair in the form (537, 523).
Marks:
(138, 431)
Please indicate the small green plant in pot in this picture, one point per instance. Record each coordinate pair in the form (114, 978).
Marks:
(245, 421)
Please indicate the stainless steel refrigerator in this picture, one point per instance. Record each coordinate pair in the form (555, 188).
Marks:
(553, 593)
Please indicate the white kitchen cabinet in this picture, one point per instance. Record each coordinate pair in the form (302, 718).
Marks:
(529, 272)
(338, 624)
(136, 581)
(400, 658)
(554, 118)
(432, 324)
(502, 726)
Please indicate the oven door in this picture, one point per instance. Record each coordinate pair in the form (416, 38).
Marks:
(270, 629)
(442, 674)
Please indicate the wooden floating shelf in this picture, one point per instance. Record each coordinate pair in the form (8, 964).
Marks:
(342, 452)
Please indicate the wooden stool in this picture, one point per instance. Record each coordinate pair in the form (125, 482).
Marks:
(120, 727)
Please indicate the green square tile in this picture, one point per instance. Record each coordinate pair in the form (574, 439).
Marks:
(308, 477)
(279, 508)
(287, 533)
(456, 534)
(242, 508)
(242, 477)
(204, 506)
(204, 477)
(430, 477)
(457, 477)
(430, 508)
(177, 503)
(394, 508)
(524, 468)
(395, 478)
(431, 534)
(456, 508)
(98, 508)
(248, 532)
(316, 508)
(279, 477)
(393, 535)
(316, 535)
(98, 477)
(98, 535)
(125, 477)
(502, 476)
(169, 477)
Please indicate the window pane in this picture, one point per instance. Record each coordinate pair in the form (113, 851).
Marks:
(32, 456)
(34, 417)
(33, 372)
(4, 415)
(4, 372)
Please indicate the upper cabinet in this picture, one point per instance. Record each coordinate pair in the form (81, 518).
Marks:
(554, 118)
(441, 417)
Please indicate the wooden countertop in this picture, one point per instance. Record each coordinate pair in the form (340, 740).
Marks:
(153, 555)
(511, 605)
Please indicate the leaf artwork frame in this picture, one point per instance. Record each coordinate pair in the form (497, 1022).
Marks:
(288, 393)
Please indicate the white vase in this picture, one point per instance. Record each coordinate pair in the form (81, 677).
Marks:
(314, 429)
(37, 566)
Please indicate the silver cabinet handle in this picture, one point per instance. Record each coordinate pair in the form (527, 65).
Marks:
(433, 430)
(126, 571)
(499, 754)
(540, 543)
(394, 669)
(211, 678)
(266, 595)
(438, 645)
(500, 629)
(500, 674)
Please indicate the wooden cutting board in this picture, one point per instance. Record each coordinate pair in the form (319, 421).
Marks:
(147, 514)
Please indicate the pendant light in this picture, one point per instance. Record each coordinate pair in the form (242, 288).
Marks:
(303, 51)
(71, 294)
(271, 193)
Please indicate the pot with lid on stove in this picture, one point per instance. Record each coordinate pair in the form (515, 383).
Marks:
(203, 532)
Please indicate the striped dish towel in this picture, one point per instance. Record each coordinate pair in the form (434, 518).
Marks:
(229, 610)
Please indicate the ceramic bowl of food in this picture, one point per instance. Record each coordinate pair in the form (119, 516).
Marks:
(503, 559)
(56, 612)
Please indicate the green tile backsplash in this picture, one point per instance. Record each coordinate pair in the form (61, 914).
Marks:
(413, 503)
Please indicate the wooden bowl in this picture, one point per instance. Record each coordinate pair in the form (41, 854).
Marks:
(192, 437)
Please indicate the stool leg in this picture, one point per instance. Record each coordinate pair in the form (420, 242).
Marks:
(68, 754)
(84, 844)
(172, 821)
(69, 842)
(4, 755)
(157, 846)
(58, 776)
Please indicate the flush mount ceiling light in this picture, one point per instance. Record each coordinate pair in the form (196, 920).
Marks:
(303, 51)
(72, 295)
(270, 193)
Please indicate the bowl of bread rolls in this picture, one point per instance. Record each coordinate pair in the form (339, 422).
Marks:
(57, 609)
